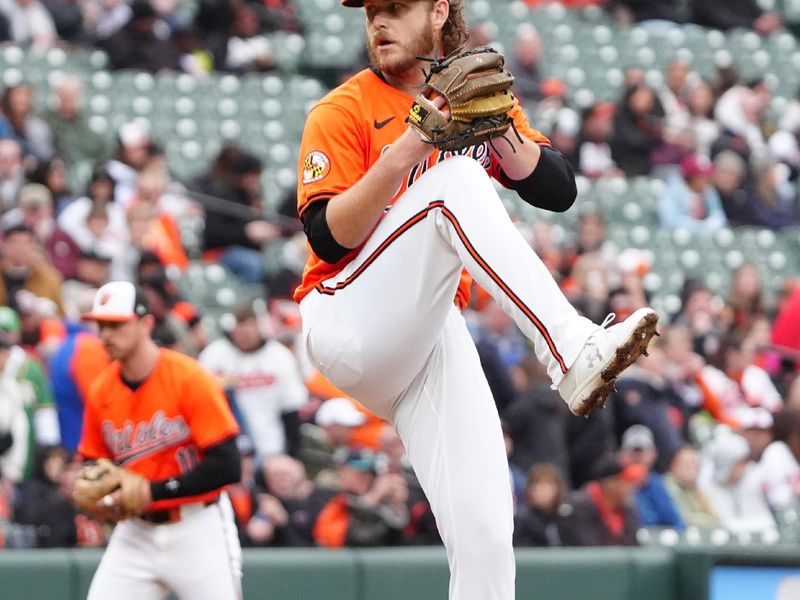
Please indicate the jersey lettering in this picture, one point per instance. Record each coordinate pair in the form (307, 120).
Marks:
(134, 442)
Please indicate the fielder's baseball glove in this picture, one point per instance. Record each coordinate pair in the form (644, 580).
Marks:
(95, 489)
(476, 87)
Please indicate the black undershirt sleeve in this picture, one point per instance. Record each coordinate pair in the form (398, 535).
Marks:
(220, 466)
(551, 186)
(315, 225)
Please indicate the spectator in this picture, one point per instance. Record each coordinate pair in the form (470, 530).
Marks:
(733, 486)
(265, 377)
(421, 529)
(338, 417)
(730, 14)
(564, 132)
(690, 201)
(74, 138)
(654, 505)
(536, 422)
(92, 270)
(595, 152)
(53, 175)
(700, 103)
(287, 514)
(67, 18)
(677, 129)
(30, 131)
(12, 173)
(738, 200)
(698, 315)
(739, 112)
(682, 365)
(97, 223)
(24, 269)
(235, 231)
(780, 464)
(681, 483)
(30, 23)
(29, 372)
(34, 210)
(500, 348)
(538, 520)
(73, 367)
(103, 19)
(637, 130)
(757, 429)
(745, 301)
(132, 156)
(136, 46)
(247, 49)
(524, 64)
(14, 424)
(151, 228)
(603, 512)
(645, 397)
(735, 384)
(41, 504)
(369, 510)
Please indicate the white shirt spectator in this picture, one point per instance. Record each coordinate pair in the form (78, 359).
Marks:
(14, 395)
(31, 23)
(755, 389)
(267, 382)
(781, 475)
(243, 52)
(740, 506)
(112, 242)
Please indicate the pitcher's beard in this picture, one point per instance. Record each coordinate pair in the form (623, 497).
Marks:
(399, 65)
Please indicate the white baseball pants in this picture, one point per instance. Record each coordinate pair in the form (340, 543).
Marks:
(386, 331)
(198, 558)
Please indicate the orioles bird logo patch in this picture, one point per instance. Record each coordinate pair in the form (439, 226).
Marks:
(316, 166)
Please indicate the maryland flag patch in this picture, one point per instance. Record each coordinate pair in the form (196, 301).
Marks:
(316, 165)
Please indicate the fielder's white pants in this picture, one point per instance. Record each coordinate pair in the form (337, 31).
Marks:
(198, 558)
(386, 331)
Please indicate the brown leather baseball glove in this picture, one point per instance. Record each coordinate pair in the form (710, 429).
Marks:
(476, 87)
(110, 493)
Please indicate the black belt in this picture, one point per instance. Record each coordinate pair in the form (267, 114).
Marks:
(172, 515)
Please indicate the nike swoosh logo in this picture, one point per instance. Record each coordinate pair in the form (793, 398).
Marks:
(381, 124)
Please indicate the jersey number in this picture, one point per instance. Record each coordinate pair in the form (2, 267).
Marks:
(187, 458)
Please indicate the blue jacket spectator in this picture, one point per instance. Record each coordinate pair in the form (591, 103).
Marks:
(654, 505)
(72, 370)
(690, 201)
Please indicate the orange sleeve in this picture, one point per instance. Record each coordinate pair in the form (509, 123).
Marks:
(330, 530)
(91, 445)
(206, 409)
(333, 154)
(713, 404)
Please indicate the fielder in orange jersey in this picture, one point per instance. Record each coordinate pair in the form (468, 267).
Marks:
(392, 223)
(161, 415)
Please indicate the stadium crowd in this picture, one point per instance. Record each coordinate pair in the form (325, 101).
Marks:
(701, 435)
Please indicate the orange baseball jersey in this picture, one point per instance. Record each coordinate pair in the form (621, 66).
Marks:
(162, 429)
(346, 132)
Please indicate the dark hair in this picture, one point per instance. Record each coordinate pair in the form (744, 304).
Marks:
(454, 32)
(548, 472)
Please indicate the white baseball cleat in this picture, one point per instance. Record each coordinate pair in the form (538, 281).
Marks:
(606, 354)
